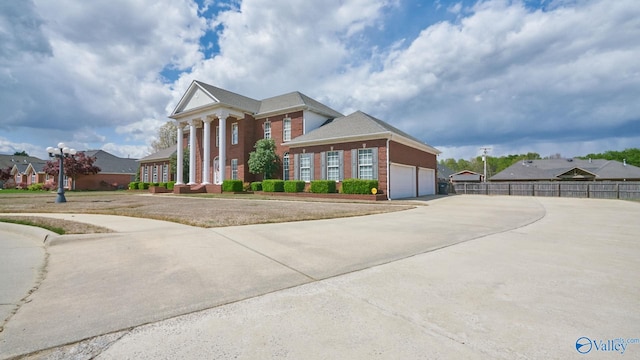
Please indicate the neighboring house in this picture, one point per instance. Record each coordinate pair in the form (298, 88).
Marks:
(444, 173)
(157, 166)
(26, 170)
(466, 176)
(314, 142)
(568, 169)
(115, 172)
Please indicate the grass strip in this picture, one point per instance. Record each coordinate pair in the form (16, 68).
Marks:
(55, 229)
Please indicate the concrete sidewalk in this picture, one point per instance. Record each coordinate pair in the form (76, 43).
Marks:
(522, 289)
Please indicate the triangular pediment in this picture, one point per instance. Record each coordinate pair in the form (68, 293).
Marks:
(576, 173)
(195, 97)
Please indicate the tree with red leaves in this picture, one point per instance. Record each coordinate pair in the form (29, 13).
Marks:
(5, 174)
(80, 164)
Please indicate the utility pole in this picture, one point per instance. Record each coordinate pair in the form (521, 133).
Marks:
(485, 151)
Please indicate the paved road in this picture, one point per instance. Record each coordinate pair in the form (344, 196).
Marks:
(539, 274)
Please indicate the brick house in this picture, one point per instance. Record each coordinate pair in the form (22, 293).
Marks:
(314, 142)
(157, 166)
(115, 172)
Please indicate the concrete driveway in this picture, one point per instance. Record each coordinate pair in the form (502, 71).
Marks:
(540, 274)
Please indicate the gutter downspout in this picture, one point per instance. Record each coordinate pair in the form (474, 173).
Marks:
(388, 171)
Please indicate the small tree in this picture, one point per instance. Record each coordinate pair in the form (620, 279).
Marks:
(5, 174)
(21, 153)
(173, 163)
(80, 164)
(264, 160)
(167, 137)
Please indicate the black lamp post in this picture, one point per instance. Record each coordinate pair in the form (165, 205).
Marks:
(61, 152)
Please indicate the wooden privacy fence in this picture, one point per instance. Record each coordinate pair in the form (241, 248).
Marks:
(576, 189)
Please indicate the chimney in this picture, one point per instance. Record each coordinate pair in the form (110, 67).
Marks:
(589, 160)
(624, 162)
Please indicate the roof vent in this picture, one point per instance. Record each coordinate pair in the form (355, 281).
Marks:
(529, 161)
(569, 160)
(624, 162)
(589, 160)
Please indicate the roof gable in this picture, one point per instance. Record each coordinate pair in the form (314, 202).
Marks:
(163, 154)
(200, 95)
(109, 163)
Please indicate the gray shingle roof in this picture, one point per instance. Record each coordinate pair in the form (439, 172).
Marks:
(353, 125)
(10, 160)
(163, 154)
(293, 100)
(232, 99)
(109, 163)
(551, 169)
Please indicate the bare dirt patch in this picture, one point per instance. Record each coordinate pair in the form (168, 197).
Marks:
(198, 210)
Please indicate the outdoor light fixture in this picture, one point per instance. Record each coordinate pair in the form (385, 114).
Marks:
(61, 152)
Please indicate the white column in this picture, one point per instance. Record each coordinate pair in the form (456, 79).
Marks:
(222, 151)
(207, 151)
(192, 152)
(180, 150)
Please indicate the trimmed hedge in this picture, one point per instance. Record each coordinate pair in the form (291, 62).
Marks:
(294, 186)
(143, 186)
(170, 185)
(163, 184)
(232, 186)
(273, 185)
(323, 186)
(133, 185)
(256, 186)
(358, 186)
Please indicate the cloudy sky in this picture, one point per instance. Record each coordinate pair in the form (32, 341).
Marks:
(546, 76)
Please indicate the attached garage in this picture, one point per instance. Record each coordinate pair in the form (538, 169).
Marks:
(402, 181)
(426, 181)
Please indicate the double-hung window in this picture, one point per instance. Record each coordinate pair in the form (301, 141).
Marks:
(267, 130)
(333, 165)
(286, 129)
(145, 176)
(285, 166)
(234, 169)
(165, 173)
(305, 167)
(234, 134)
(365, 164)
(155, 173)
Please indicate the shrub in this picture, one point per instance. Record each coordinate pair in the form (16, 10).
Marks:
(143, 186)
(293, 186)
(358, 186)
(256, 186)
(170, 185)
(36, 187)
(163, 184)
(273, 185)
(133, 185)
(232, 186)
(323, 186)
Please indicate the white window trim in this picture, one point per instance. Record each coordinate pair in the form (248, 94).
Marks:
(234, 169)
(286, 131)
(267, 129)
(361, 166)
(336, 167)
(235, 134)
(310, 157)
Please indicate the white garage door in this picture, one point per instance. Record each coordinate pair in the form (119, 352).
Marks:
(426, 181)
(403, 181)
